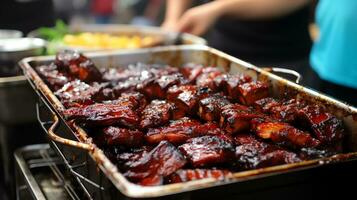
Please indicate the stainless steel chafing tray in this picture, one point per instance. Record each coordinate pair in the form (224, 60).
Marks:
(176, 56)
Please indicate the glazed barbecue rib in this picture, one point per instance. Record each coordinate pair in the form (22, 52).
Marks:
(163, 125)
(208, 150)
(210, 107)
(326, 127)
(116, 136)
(122, 111)
(53, 78)
(284, 134)
(179, 131)
(162, 161)
(77, 93)
(235, 118)
(77, 66)
(285, 111)
(229, 84)
(251, 153)
(158, 113)
(186, 97)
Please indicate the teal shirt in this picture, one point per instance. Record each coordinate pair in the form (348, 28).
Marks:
(334, 55)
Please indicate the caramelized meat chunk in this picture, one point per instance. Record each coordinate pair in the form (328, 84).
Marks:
(195, 174)
(252, 91)
(52, 76)
(207, 150)
(116, 75)
(266, 104)
(236, 118)
(78, 93)
(105, 114)
(191, 71)
(251, 153)
(135, 100)
(77, 66)
(210, 107)
(179, 131)
(158, 86)
(126, 159)
(125, 86)
(186, 97)
(326, 127)
(162, 161)
(285, 111)
(284, 134)
(207, 76)
(158, 113)
(113, 135)
(208, 128)
(229, 84)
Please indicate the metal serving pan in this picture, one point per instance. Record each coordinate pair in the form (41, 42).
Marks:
(176, 56)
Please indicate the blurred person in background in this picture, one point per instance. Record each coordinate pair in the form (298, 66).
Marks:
(265, 33)
(26, 15)
(262, 31)
(146, 12)
(333, 57)
(103, 11)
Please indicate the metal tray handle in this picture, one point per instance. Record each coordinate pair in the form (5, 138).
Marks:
(51, 132)
(297, 75)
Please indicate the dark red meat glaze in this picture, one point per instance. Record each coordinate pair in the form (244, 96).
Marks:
(251, 153)
(163, 160)
(158, 113)
(77, 66)
(116, 136)
(326, 127)
(284, 134)
(53, 78)
(236, 118)
(122, 111)
(179, 131)
(208, 150)
(210, 107)
(186, 97)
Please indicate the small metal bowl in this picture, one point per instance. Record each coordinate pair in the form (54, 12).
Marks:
(5, 34)
(14, 49)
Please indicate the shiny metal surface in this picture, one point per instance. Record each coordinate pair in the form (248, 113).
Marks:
(14, 49)
(40, 175)
(17, 100)
(6, 33)
(176, 56)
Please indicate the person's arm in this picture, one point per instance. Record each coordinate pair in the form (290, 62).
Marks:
(197, 20)
(174, 11)
(259, 9)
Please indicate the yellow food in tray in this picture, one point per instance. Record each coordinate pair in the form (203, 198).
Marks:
(107, 41)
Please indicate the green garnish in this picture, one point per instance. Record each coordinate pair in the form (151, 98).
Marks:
(55, 33)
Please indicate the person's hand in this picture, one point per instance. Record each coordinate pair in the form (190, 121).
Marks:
(170, 25)
(198, 20)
